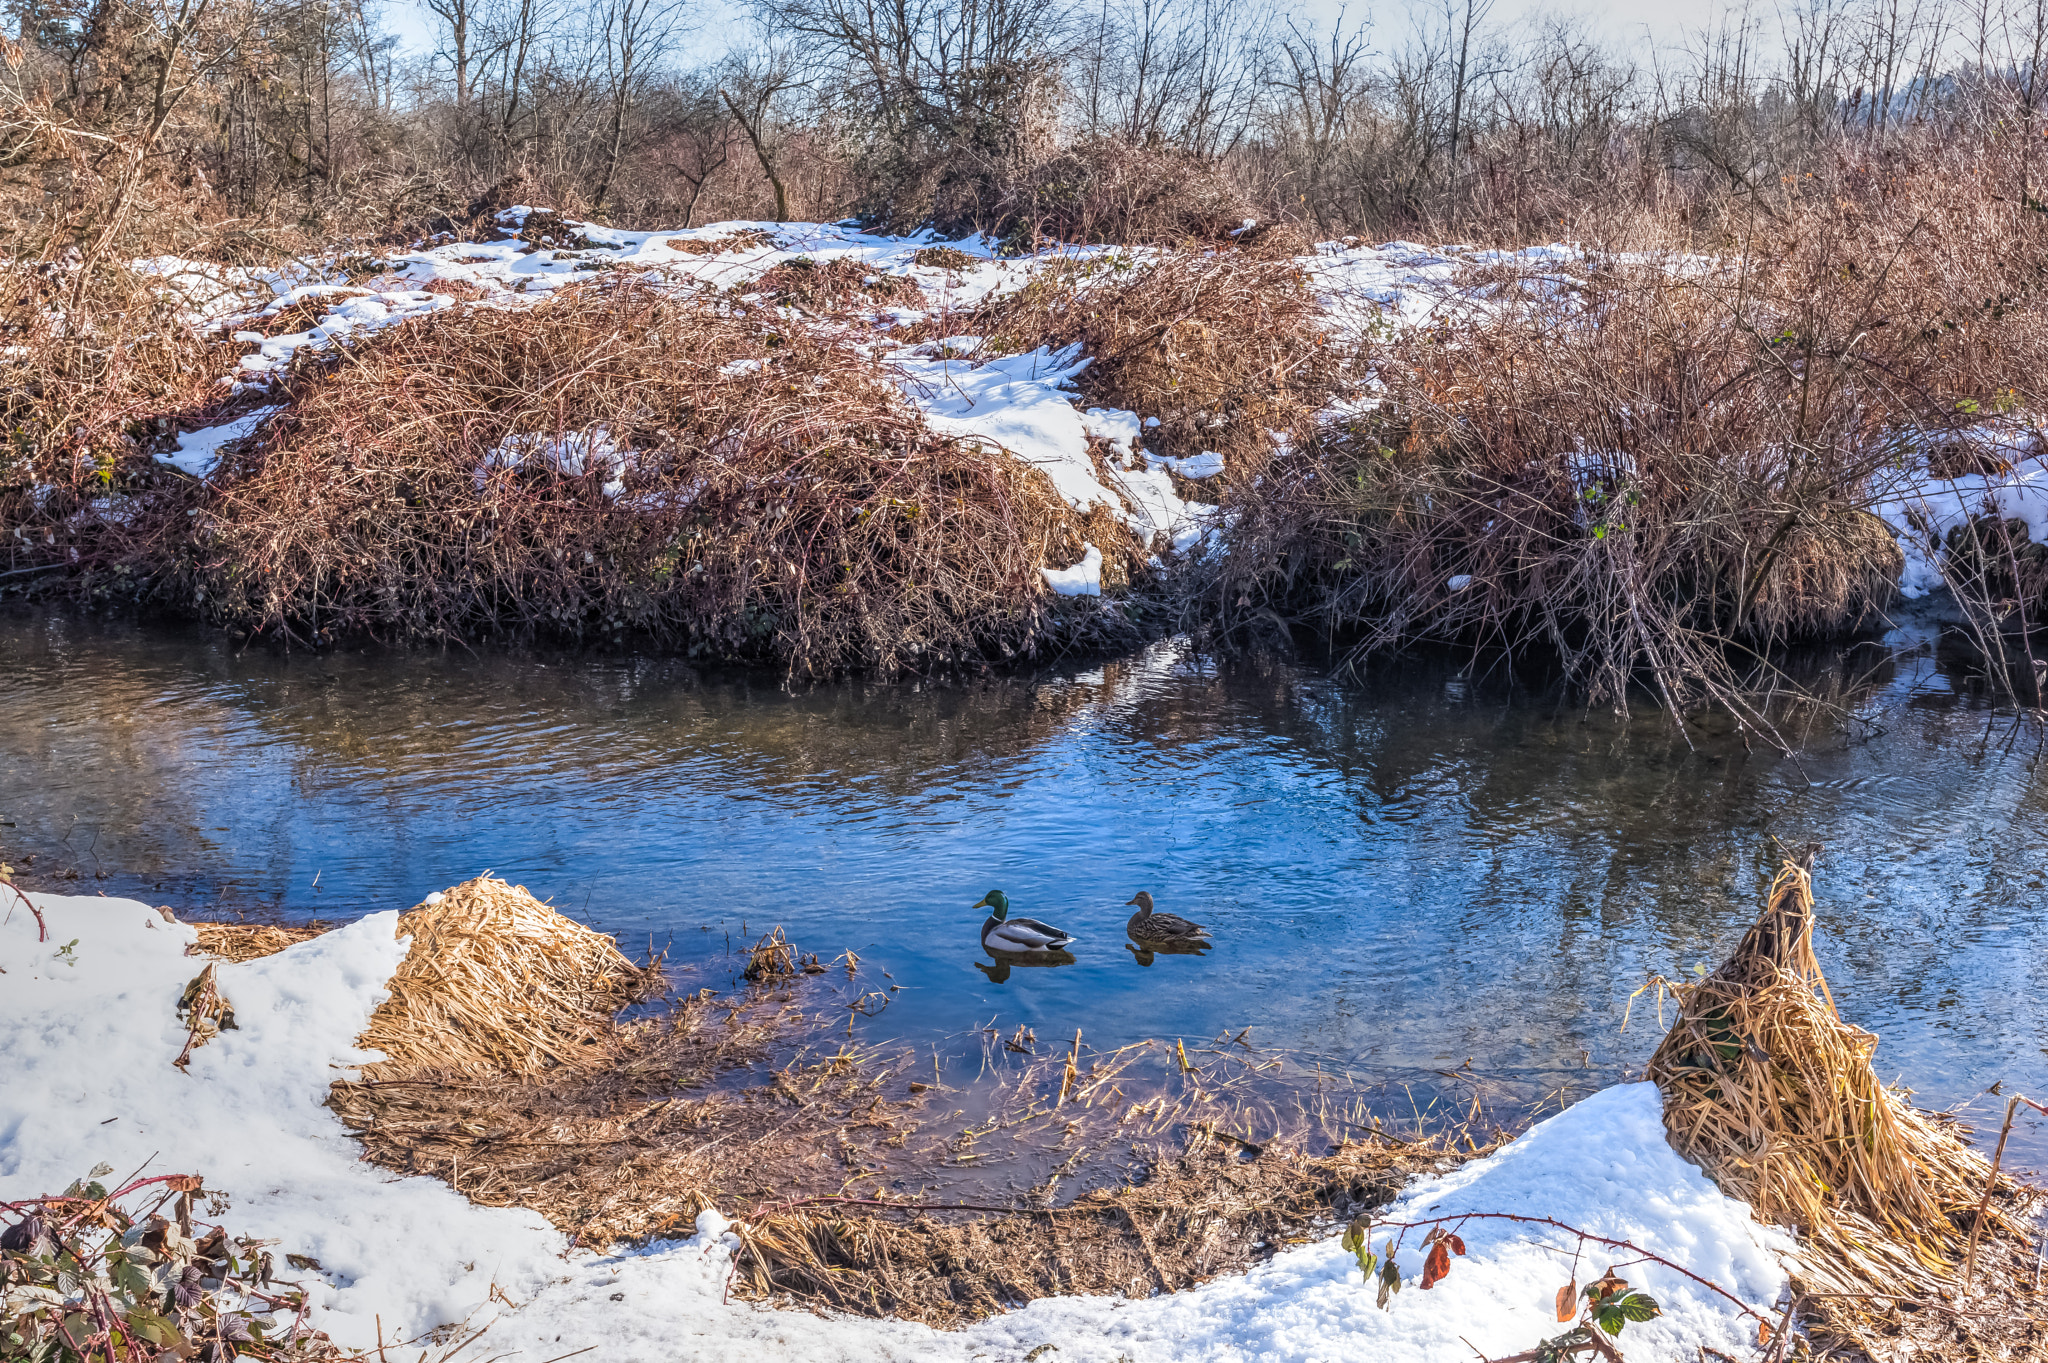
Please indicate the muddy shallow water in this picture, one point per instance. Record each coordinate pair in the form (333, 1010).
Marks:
(1402, 874)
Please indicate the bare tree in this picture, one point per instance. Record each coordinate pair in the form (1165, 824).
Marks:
(635, 36)
(1321, 79)
(754, 86)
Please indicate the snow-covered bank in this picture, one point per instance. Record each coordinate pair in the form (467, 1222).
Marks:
(88, 1031)
(88, 1034)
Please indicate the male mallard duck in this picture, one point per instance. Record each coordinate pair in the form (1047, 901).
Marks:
(1147, 926)
(1017, 935)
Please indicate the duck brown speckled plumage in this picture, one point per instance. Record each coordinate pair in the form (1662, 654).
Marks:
(1149, 926)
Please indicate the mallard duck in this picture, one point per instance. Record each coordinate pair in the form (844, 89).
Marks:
(1147, 926)
(1019, 936)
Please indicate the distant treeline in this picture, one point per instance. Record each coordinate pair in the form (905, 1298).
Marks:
(1131, 119)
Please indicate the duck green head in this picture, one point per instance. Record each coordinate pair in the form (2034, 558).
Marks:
(996, 902)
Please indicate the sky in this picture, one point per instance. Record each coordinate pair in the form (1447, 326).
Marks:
(1660, 22)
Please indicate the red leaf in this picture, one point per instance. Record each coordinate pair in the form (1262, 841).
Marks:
(1436, 1265)
(1457, 1245)
(1568, 1300)
(1763, 1332)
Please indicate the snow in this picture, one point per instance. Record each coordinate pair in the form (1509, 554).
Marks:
(1083, 579)
(573, 455)
(198, 451)
(88, 1032)
(1922, 509)
(87, 1041)
(1014, 403)
(1207, 464)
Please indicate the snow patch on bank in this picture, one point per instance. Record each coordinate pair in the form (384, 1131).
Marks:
(87, 1037)
(1922, 508)
(198, 451)
(88, 1032)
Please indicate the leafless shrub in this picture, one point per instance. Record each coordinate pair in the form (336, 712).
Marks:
(1655, 470)
(622, 459)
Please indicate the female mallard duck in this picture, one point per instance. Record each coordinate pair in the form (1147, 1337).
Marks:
(1016, 935)
(1147, 926)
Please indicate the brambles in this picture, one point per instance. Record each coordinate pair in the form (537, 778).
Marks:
(85, 1279)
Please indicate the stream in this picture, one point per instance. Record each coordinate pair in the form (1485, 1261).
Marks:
(1404, 874)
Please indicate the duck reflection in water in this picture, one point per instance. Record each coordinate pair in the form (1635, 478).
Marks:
(1000, 971)
(1147, 952)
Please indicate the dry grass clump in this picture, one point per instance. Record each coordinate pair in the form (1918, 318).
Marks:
(622, 459)
(248, 941)
(833, 285)
(1774, 1095)
(497, 983)
(1654, 468)
(1222, 348)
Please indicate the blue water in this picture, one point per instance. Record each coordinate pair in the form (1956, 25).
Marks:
(1402, 873)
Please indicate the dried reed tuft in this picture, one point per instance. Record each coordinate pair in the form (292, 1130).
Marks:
(1773, 1094)
(772, 958)
(498, 983)
(248, 941)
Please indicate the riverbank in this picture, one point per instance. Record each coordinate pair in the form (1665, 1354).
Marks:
(829, 450)
(406, 1255)
(233, 1081)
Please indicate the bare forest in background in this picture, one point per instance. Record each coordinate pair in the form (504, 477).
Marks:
(233, 127)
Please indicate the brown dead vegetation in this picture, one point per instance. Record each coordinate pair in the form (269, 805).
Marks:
(746, 239)
(1768, 1089)
(1208, 1210)
(81, 396)
(834, 285)
(248, 941)
(772, 496)
(1223, 348)
(1655, 469)
(1105, 190)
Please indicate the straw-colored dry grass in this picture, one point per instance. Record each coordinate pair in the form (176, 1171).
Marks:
(1773, 1093)
(248, 941)
(497, 983)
